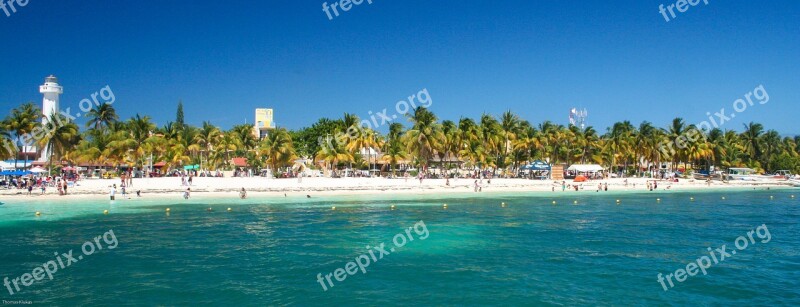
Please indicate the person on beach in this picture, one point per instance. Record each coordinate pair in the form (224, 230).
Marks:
(190, 180)
(43, 187)
(138, 193)
(242, 194)
(476, 185)
(186, 194)
(447, 182)
(64, 183)
(563, 185)
(605, 187)
(112, 192)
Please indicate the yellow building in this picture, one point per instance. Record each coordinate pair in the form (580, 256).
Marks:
(264, 123)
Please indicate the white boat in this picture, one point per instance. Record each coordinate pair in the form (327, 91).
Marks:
(743, 173)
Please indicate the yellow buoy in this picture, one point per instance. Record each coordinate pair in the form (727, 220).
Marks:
(38, 213)
(333, 208)
(771, 197)
(392, 207)
(575, 202)
(209, 209)
(105, 211)
(691, 198)
(229, 209)
(723, 197)
(445, 205)
(167, 209)
(658, 199)
(554, 202)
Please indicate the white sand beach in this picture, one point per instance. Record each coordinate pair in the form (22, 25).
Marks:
(171, 187)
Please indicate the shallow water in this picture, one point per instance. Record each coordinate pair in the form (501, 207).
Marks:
(478, 252)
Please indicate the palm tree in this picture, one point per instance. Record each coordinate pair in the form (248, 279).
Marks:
(60, 136)
(277, 148)
(332, 155)
(449, 143)
(7, 148)
(491, 133)
(208, 136)
(509, 127)
(587, 141)
(772, 146)
(424, 137)
(141, 128)
(101, 115)
(647, 143)
(676, 136)
(393, 154)
(245, 138)
(22, 121)
(752, 139)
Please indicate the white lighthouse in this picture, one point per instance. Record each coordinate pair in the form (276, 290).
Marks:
(51, 91)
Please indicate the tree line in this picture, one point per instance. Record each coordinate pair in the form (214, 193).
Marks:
(503, 143)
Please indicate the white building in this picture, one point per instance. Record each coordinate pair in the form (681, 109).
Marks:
(51, 91)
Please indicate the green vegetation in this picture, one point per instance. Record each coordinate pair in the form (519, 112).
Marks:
(499, 144)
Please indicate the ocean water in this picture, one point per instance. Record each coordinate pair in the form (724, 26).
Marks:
(483, 249)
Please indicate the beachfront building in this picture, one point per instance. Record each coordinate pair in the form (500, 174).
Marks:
(263, 122)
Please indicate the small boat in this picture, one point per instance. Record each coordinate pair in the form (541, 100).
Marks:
(782, 174)
(743, 173)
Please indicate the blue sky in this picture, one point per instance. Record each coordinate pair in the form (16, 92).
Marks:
(619, 59)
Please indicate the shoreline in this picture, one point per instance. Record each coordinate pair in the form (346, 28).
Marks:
(259, 187)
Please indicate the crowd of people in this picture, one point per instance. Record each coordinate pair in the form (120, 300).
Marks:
(41, 183)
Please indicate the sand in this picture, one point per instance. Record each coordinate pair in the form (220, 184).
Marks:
(171, 187)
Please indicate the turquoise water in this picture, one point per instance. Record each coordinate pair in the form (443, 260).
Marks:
(478, 252)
